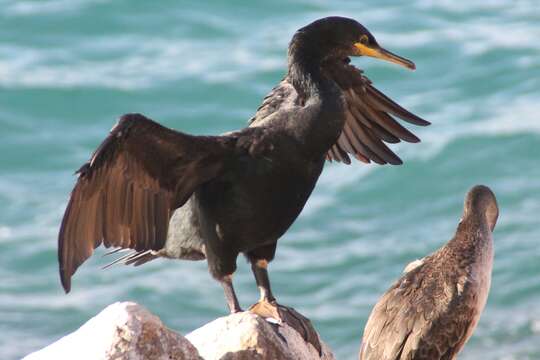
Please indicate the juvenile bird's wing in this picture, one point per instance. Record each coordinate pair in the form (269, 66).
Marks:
(370, 119)
(126, 194)
(417, 318)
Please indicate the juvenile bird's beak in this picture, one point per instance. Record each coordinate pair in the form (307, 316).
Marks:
(383, 54)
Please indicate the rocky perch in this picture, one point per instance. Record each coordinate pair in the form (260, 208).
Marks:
(128, 331)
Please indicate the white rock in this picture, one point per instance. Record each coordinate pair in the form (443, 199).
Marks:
(246, 336)
(128, 331)
(121, 331)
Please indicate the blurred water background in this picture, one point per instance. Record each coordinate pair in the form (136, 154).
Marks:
(69, 68)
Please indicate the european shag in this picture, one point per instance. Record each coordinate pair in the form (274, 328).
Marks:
(433, 309)
(168, 194)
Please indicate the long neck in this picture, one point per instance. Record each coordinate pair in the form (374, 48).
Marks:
(473, 241)
(323, 103)
(305, 70)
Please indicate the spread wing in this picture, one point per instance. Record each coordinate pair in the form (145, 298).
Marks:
(419, 317)
(370, 120)
(125, 195)
(370, 116)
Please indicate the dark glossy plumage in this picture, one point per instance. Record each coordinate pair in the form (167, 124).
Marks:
(239, 192)
(139, 175)
(432, 310)
(369, 116)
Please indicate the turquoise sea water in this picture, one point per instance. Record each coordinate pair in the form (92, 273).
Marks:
(69, 68)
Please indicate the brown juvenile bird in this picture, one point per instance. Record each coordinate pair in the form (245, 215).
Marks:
(433, 309)
(168, 194)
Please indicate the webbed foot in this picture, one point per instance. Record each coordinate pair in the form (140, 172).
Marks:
(284, 314)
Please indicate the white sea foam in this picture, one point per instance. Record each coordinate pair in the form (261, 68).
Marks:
(517, 117)
(475, 38)
(135, 62)
(42, 7)
(129, 61)
(535, 326)
(502, 114)
(5, 232)
(479, 37)
(473, 5)
(474, 35)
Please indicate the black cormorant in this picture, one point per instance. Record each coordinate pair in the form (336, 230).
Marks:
(433, 309)
(165, 193)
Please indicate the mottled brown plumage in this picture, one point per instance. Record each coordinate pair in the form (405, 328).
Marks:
(432, 310)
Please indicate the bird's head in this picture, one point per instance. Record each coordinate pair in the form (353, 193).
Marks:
(339, 37)
(480, 202)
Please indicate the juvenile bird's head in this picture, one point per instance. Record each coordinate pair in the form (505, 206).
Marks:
(481, 203)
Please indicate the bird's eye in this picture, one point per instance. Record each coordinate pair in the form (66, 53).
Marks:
(364, 39)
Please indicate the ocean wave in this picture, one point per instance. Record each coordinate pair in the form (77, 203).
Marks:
(5, 232)
(476, 82)
(472, 6)
(125, 62)
(44, 7)
(473, 38)
(137, 62)
(494, 115)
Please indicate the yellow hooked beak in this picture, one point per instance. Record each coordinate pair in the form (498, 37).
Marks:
(383, 54)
